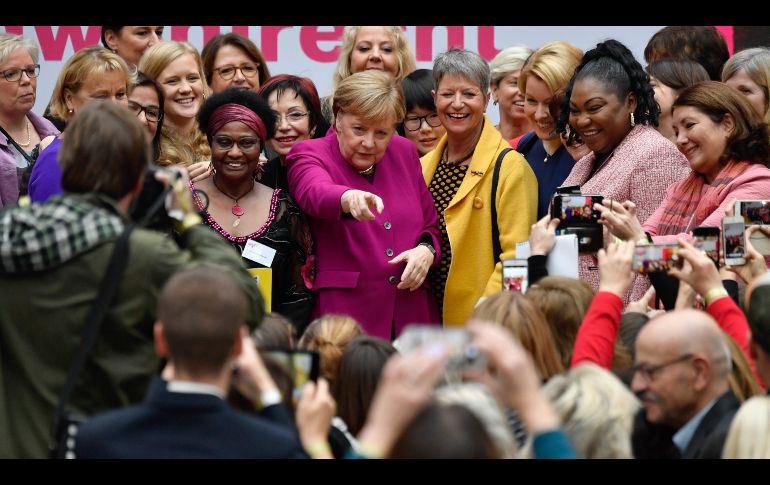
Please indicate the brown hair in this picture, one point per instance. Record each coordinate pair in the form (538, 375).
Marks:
(329, 335)
(524, 320)
(210, 50)
(274, 331)
(106, 150)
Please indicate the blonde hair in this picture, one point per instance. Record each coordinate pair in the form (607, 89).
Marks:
(507, 61)
(177, 148)
(406, 61)
(741, 378)
(749, 435)
(371, 95)
(554, 64)
(11, 42)
(329, 336)
(86, 62)
(597, 411)
(523, 319)
(756, 63)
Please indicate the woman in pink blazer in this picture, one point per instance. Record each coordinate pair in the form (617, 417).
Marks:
(372, 217)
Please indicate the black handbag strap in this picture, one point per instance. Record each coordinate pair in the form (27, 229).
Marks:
(497, 250)
(13, 142)
(107, 291)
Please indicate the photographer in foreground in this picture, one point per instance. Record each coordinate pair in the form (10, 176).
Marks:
(53, 259)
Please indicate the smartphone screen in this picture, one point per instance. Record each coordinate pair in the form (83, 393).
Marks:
(735, 243)
(302, 365)
(754, 212)
(652, 258)
(708, 239)
(576, 209)
(515, 275)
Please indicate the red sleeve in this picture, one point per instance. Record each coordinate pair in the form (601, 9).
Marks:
(732, 320)
(595, 340)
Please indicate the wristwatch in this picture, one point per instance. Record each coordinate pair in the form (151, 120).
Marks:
(267, 398)
(430, 247)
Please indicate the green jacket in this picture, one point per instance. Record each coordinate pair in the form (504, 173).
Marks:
(47, 288)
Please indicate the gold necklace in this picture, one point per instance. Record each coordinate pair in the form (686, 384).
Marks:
(29, 137)
(367, 171)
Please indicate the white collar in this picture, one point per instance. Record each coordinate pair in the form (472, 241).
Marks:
(191, 387)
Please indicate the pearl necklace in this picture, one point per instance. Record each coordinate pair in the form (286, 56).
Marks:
(29, 136)
(367, 171)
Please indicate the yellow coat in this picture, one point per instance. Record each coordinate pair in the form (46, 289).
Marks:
(469, 223)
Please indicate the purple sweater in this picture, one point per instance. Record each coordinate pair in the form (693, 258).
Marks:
(45, 180)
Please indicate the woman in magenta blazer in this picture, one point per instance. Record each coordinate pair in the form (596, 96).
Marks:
(373, 220)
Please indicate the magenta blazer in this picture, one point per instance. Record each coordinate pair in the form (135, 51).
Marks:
(353, 276)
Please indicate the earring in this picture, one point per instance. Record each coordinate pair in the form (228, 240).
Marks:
(632, 120)
(70, 111)
(494, 102)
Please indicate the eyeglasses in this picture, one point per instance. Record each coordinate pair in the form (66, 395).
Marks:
(226, 143)
(414, 124)
(152, 113)
(13, 75)
(291, 118)
(649, 371)
(228, 72)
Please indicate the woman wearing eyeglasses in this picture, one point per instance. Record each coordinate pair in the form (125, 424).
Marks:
(295, 102)
(264, 225)
(233, 61)
(422, 124)
(22, 129)
(146, 102)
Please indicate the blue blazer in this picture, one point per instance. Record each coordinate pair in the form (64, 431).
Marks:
(180, 425)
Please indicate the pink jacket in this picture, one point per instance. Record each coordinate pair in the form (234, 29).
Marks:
(353, 275)
(642, 166)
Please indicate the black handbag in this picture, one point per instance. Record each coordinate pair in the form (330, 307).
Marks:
(61, 441)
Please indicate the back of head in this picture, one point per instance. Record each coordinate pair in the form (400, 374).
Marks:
(677, 73)
(306, 90)
(563, 302)
(462, 63)
(508, 60)
(210, 50)
(521, 317)
(477, 398)
(84, 63)
(756, 63)
(11, 42)
(360, 369)
(405, 58)
(202, 310)
(106, 150)
(444, 431)
(758, 315)
(371, 95)
(329, 335)
(750, 138)
(613, 65)
(749, 435)
(554, 63)
(596, 409)
(703, 44)
(274, 331)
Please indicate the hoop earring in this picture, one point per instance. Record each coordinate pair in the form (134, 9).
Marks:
(632, 120)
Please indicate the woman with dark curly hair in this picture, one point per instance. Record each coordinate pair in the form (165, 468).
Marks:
(264, 225)
(610, 104)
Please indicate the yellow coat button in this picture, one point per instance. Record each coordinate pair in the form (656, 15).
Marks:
(478, 203)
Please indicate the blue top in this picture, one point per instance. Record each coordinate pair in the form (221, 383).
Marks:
(45, 179)
(550, 171)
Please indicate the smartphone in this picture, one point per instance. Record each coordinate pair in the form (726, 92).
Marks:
(734, 240)
(303, 365)
(454, 342)
(515, 275)
(756, 212)
(708, 239)
(653, 258)
(576, 209)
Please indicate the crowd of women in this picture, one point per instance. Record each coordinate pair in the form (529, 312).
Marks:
(395, 199)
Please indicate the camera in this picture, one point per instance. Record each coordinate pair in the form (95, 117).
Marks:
(578, 216)
(301, 365)
(149, 209)
(455, 342)
(515, 275)
(756, 212)
(707, 239)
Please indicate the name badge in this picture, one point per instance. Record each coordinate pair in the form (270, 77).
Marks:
(259, 253)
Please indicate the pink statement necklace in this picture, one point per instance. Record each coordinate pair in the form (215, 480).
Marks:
(237, 210)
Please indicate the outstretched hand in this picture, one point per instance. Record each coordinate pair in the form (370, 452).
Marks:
(359, 203)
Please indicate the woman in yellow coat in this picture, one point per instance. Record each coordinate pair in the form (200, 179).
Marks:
(459, 173)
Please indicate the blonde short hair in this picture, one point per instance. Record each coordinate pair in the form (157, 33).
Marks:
(91, 61)
(371, 95)
(756, 63)
(554, 64)
(508, 60)
(329, 336)
(11, 42)
(749, 435)
(406, 61)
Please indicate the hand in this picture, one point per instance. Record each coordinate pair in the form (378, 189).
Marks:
(700, 273)
(542, 236)
(620, 219)
(358, 204)
(252, 377)
(180, 199)
(615, 273)
(405, 388)
(200, 171)
(685, 297)
(755, 263)
(418, 261)
(642, 305)
(512, 377)
(315, 410)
